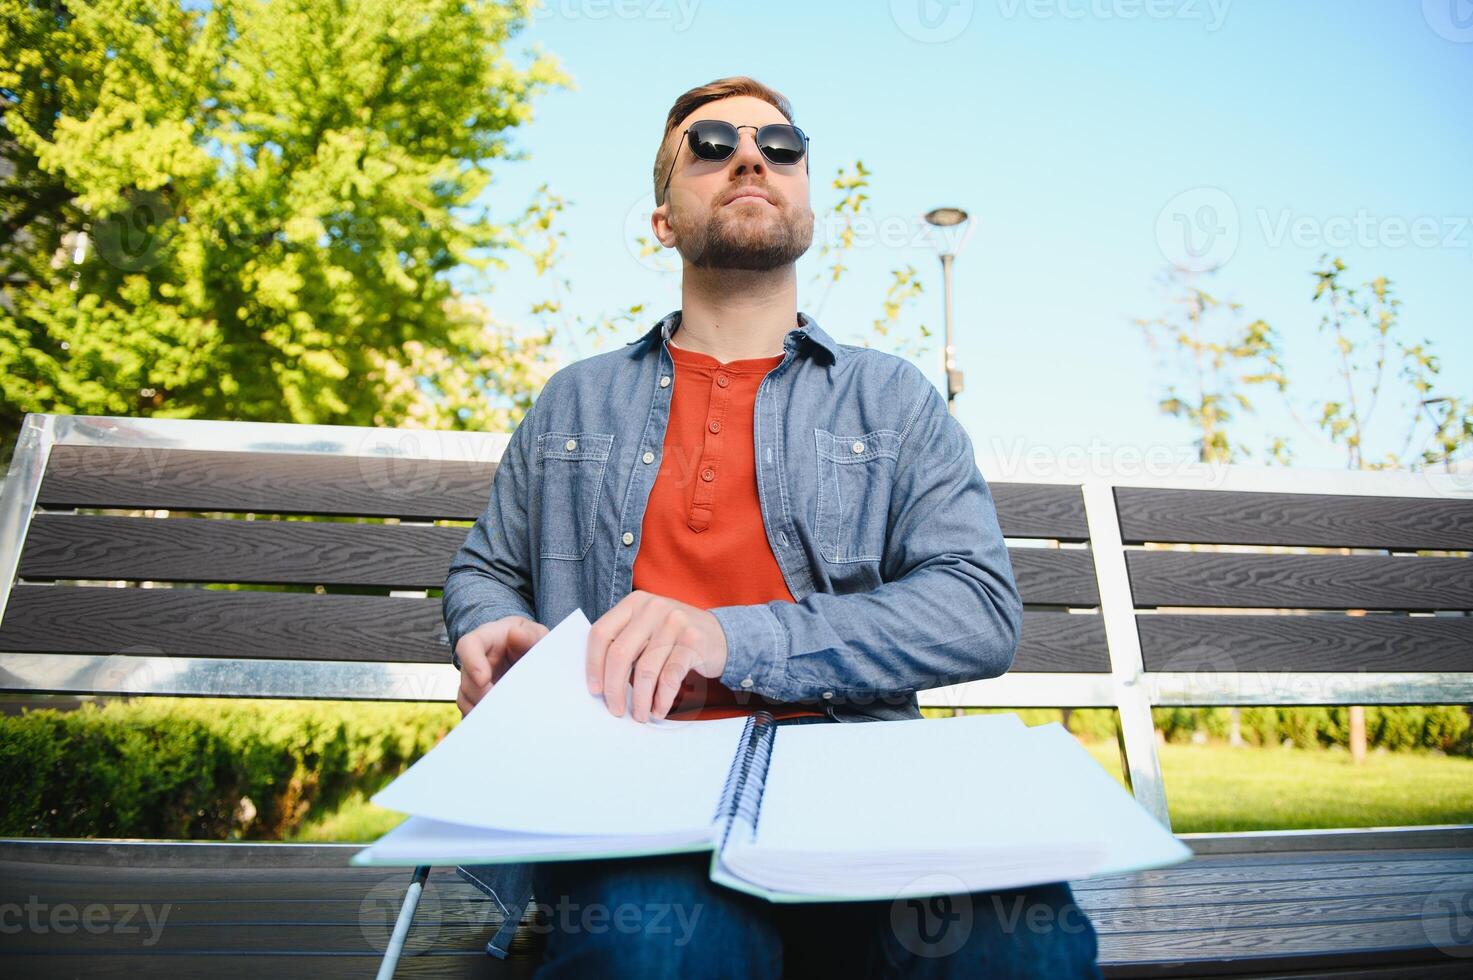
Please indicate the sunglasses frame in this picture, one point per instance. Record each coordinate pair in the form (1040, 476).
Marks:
(756, 137)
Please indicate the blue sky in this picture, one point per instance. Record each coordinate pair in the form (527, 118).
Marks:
(1080, 134)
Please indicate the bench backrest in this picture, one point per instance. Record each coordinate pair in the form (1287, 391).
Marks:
(349, 608)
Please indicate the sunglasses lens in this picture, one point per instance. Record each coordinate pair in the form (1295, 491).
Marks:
(712, 139)
(780, 143)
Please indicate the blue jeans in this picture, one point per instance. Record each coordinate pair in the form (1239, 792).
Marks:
(662, 916)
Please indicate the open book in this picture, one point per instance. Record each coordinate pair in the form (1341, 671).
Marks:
(540, 770)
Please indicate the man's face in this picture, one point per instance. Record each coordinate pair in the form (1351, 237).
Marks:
(708, 214)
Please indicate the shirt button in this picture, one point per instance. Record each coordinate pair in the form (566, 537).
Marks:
(664, 381)
(628, 538)
(746, 682)
(649, 457)
(858, 447)
(571, 445)
(723, 380)
(708, 475)
(715, 425)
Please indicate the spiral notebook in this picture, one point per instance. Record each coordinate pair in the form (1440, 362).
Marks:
(540, 770)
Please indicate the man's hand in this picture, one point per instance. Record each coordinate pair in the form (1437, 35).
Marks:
(487, 651)
(653, 641)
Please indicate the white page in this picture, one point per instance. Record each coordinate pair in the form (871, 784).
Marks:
(539, 754)
(983, 806)
(925, 782)
(420, 840)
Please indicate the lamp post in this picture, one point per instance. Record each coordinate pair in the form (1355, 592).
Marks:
(946, 218)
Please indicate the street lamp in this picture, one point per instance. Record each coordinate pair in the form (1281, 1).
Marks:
(949, 218)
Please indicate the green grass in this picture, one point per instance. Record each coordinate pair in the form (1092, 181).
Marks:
(356, 820)
(1208, 787)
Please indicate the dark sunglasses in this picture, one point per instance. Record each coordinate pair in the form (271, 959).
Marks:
(713, 139)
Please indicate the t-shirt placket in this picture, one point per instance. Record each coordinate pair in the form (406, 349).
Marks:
(703, 501)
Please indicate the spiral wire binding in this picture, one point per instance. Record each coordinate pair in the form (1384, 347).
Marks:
(741, 796)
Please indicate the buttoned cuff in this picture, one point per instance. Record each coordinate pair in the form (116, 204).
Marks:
(756, 650)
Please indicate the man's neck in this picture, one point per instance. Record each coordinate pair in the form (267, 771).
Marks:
(735, 315)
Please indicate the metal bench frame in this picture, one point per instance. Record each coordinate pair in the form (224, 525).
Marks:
(1128, 687)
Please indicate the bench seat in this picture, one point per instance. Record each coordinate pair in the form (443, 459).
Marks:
(1335, 904)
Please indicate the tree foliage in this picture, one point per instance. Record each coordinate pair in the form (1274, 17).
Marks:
(252, 209)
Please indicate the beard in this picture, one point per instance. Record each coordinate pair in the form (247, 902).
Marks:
(751, 237)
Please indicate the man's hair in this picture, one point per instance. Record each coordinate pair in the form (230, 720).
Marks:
(722, 88)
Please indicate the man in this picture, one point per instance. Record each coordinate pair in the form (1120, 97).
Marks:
(751, 515)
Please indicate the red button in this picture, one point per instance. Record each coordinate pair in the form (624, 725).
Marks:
(708, 475)
(723, 380)
(715, 425)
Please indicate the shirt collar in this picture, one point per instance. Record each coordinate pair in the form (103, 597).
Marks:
(807, 328)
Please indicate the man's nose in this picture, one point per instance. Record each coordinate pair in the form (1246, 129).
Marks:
(747, 157)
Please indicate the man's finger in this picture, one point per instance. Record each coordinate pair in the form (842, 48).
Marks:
(672, 678)
(602, 634)
(473, 660)
(647, 677)
(625, 650)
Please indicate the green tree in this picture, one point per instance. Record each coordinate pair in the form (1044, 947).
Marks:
(253, 209)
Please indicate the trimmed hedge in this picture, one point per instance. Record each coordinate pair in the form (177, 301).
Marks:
(216, 769)
(1442, 728)
(201, 769)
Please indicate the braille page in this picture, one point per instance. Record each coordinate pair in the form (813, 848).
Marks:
(541, 755)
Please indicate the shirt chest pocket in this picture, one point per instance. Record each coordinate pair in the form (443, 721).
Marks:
(571, 468)
(855, 477)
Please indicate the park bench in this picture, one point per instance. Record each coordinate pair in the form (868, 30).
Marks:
(1109, 623)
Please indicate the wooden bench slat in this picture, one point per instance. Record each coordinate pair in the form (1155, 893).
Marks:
(1225, 643)
(1177, 578)
(214, 623)
(1308, 519)
(1060, 642)
(1040, 510)
(68, 546)
(300, 966)
(1055, 576)
(265, 483)
(65, 546)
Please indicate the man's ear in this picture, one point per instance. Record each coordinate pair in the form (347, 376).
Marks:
(660, 225)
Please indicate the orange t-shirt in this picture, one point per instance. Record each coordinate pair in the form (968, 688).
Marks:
(703, 541)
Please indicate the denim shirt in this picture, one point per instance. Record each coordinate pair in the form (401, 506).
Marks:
(872, 503)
